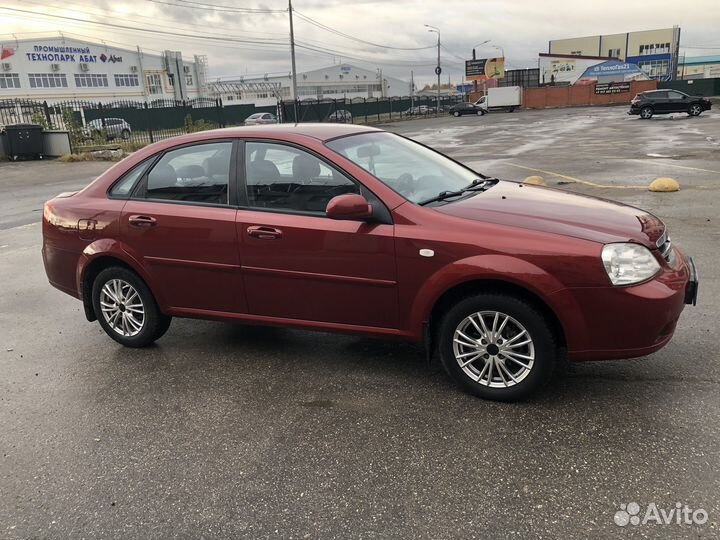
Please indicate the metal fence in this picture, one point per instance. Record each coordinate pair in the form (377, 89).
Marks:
(133, 124)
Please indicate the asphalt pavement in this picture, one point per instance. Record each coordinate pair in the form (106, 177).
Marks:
(229, 431)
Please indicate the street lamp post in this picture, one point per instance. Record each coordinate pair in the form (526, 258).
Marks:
(475, 84)
(438, 69)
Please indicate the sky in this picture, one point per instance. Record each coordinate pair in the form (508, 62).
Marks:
(251, 37)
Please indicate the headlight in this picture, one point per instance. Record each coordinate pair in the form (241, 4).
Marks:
(629, 263)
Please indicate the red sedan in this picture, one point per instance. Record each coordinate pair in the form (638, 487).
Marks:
(350, 228)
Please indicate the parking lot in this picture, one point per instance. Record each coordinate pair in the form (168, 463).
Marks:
(223, 430)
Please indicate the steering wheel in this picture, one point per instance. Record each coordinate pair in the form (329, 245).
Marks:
(405, 184)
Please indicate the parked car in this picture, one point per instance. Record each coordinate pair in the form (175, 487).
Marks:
(260, 119)
(350, 228)
(466, 108)
(652, 102)
(342, 116)
(417, 111)
(111, 127)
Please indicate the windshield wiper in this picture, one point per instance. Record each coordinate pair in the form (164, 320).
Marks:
(479, 184)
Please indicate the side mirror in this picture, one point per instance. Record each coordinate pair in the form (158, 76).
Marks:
(350, 206)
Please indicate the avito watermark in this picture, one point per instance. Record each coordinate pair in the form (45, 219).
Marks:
(680, 514)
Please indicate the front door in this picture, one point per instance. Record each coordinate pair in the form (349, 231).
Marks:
(179, 223)
(299, 264)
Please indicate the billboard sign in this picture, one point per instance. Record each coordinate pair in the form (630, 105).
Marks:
(614, 69)
(612, 88)
(484, 69)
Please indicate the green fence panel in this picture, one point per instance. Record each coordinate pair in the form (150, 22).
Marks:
(697, 87)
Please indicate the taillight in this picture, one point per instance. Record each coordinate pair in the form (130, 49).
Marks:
(635, 101)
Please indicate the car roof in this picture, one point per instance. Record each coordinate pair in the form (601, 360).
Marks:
(320, 131)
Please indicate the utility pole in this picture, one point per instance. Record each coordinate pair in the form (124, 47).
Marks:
(292, 57)
(412, 90)
(438, 69)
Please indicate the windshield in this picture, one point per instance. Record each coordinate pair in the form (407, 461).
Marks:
(414, 171)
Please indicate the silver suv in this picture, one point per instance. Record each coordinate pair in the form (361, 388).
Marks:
(113, 128)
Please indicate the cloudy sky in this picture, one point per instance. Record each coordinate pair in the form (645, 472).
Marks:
(251, 37)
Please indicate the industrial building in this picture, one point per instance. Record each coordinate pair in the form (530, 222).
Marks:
(61, 68)
(655, 52)
(699, 67)
(333, 82)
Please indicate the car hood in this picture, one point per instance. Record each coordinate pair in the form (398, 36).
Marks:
(558, 212)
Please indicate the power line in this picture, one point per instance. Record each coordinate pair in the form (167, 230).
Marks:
(215, 7)
(348, 36)
(255, 41)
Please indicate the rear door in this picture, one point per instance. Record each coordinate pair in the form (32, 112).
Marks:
(180, 223)
(299, 264)
(660, 101)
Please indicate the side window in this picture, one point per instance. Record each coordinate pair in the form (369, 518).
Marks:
(285, 178)
(675, 95)
(199, 173)
(122, 188)
(659, 95)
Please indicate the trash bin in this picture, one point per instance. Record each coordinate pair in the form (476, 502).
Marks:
(24, 141)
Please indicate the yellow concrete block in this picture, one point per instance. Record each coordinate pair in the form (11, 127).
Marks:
(664, 185)
(535, 181)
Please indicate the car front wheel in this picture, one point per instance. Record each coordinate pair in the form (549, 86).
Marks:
(125, 134)
(695, 110)
(496, 346)
(456, 114)
(126, 309)
(646, 113)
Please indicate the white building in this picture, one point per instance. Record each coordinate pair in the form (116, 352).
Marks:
(334, 82)
(61, 68)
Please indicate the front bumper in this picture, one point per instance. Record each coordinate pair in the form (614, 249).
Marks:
(627, 322)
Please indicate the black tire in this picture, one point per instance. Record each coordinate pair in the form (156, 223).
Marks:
(125, 134)
(522, 312)
(481, 113)
(695, 109)
(646, 113)
(456, 114)
(154, 324)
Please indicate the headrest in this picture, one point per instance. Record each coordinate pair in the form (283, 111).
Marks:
(162, 176)
(305, 167)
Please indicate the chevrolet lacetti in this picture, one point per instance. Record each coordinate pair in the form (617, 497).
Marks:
(349, 228)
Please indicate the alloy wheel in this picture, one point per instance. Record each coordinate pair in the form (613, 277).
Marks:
(646, 112)
(122, 308)
(695, 110)
(493, 349)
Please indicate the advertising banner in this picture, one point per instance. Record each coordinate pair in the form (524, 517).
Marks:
(612, 88)
(484, 69)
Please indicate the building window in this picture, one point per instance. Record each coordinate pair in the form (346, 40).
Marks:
(655, 68)
(126, 79)
(614, 53)
(9, 80)
(188, 80)
(91, 80)
(47, 80)
(154, 83)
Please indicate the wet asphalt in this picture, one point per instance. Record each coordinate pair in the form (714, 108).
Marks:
(229, 431)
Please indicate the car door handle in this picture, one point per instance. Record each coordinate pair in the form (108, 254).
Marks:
(142, 221)
(264, 233)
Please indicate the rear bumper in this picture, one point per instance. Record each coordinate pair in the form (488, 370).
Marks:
(627, 322)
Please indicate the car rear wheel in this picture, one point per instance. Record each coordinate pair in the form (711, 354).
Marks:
(125, 134)
(646, 113)
(695, 109)
(456, 114)
(481, 113)
(126, 309)
(496, 346)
